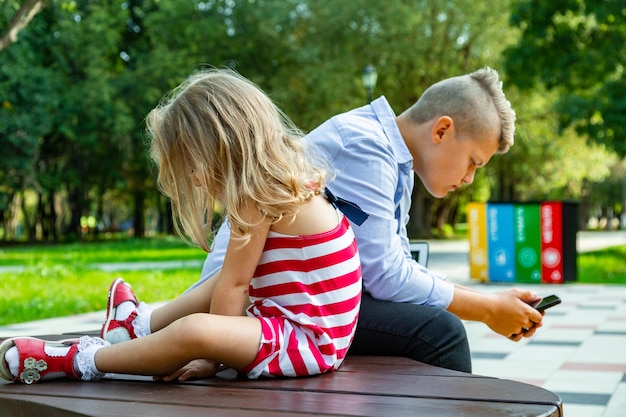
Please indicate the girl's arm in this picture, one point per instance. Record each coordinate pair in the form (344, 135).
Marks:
(230, 295)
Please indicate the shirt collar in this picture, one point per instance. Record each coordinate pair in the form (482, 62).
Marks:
(387, 118)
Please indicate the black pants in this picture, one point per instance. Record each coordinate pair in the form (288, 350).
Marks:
(426, 334)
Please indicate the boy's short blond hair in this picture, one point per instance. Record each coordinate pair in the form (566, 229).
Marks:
(475, 102)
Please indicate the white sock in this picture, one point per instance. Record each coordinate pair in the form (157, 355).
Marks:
(141, 323)
(12, 357)
(85, 359)
(124, 309)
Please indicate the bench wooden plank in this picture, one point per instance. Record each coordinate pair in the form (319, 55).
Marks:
(226, 403)
(404, 378)
(364, 386)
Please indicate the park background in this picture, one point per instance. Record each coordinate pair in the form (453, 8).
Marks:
(77, 79)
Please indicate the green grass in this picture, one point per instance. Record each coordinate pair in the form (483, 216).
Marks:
(122, 250)
(58, 280)
(606, 266)
(62, 291)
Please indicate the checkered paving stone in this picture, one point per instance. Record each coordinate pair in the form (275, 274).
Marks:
(579, 353)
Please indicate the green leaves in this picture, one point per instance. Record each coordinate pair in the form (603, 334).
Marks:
(574, 48)
(76, 87)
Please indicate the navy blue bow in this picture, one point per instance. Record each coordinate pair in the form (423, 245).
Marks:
(353, 212)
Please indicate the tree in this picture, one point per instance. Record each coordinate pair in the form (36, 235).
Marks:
(29, 99)
(574, 47)
(77, 86)
(20, 19)
(111, 63)
(413, 44)
(61, 110)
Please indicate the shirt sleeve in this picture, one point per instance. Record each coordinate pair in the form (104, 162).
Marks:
(367, 174)
(215, 259)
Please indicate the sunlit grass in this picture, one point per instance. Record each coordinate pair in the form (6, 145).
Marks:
(124, 250)
(58, 290)
(59, 280)
(606, 266)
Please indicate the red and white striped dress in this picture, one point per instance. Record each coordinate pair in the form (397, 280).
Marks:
(306, 291)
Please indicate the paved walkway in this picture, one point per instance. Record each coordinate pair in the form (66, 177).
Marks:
(580, 353)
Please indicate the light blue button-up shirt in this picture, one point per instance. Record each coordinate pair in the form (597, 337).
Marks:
(372, 168)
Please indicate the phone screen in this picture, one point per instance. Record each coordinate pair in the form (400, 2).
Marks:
(546, 302)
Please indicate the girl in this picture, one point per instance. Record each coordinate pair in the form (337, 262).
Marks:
(286, 300)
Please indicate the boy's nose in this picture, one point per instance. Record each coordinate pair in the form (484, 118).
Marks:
(469, 177)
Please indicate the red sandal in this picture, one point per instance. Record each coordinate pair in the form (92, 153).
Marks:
(35, 363)
(116, 331)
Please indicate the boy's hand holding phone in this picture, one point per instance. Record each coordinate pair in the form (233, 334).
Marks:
(540, 305)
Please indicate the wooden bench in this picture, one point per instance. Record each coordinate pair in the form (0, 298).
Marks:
(364, 386)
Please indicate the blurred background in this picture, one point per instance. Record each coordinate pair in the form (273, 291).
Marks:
(77, 79)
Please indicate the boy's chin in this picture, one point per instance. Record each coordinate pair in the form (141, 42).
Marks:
(438, 190)
(440, 193)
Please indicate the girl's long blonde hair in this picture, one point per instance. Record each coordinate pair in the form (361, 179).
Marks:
(219, 137)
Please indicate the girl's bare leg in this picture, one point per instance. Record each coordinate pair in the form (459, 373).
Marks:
(231, 340)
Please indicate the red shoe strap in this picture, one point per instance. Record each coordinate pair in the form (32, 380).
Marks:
(35, 362)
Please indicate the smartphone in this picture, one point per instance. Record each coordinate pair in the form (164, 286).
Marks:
(546, 302)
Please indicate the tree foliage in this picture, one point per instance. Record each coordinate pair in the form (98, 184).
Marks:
(22, 16)
(79, 80)
(574, 47)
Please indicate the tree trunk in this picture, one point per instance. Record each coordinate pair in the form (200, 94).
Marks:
(24, 15)
(28, 225)
(41, 216)
(52, 213)
(165, 224)
(138, 215)
(76, 204)
(442, 216)
(3, 224)
(419, 223)
(99, 214)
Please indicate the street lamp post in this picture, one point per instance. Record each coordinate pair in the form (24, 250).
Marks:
(369, 77)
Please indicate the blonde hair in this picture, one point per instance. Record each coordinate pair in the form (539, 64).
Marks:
(220, 131)
(474, 101)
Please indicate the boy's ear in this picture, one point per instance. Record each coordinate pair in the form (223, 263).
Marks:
(441, 126)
